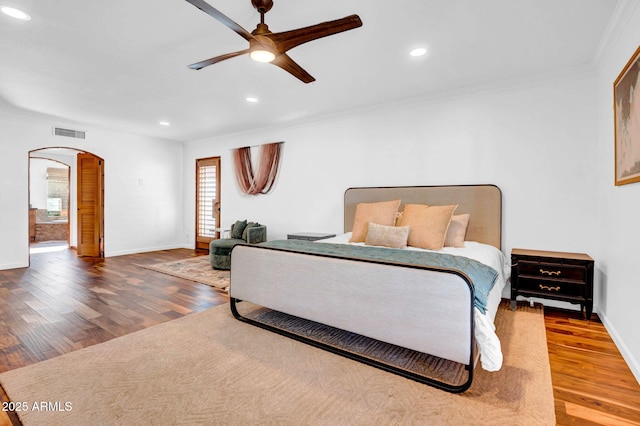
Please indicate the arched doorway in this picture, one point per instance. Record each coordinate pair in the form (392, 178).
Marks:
(85, 203)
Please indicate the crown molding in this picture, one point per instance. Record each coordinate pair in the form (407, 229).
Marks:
(623, 11)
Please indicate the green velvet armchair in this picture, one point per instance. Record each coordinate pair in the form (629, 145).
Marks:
(241, 232)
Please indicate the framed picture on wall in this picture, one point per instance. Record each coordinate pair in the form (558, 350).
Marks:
(626, 97)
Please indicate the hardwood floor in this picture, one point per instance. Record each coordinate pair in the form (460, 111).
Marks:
(592, 384)
(63, 303)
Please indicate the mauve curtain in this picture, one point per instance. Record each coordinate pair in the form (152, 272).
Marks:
(269, 163)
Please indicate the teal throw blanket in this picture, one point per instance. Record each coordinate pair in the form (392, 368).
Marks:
(482, 276)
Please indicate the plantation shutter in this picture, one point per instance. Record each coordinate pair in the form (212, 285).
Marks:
(207, 201)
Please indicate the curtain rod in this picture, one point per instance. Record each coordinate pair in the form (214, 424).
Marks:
(254, 146)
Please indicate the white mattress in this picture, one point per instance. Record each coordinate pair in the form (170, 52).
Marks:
(486, 338)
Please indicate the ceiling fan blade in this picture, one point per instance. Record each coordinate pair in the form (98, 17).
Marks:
(210, 10)
(202, 64)
(286, 63)
(289, 39)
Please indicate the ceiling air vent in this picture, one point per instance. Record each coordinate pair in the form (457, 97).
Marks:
(58, 131)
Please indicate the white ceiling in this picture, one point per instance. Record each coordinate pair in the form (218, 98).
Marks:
(122, 64)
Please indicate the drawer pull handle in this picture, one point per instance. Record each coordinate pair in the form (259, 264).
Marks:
(543, 272)
(546, 287)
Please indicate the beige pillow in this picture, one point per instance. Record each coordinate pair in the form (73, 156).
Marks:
(382, 213)
(387, 236)
(457, 230)
(428, 224)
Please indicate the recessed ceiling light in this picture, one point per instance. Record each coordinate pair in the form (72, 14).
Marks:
(419, 51)
(165, 123)
(15, 13)
(252, 100)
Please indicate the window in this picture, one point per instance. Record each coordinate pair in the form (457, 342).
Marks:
(57, 192)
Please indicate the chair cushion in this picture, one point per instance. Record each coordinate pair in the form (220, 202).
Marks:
(220, 252)
(224, 245)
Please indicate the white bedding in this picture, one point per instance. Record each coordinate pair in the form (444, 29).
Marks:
(486, 338)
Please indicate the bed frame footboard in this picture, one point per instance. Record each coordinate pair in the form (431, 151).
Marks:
(424, 309)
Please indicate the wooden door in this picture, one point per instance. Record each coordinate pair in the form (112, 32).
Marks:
(90, 205)
(207, 201)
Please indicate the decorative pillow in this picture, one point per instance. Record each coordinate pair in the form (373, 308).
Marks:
(245, 233)
(428, 224)
(238, 228)
(382, 213)
(457, 230)
(387, 236)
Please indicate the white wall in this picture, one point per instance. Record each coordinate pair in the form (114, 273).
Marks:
(143, 187)
(618, 229)
(536, 140)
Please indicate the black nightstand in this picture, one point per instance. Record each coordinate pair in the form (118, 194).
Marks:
(309, 236)
(553, 275)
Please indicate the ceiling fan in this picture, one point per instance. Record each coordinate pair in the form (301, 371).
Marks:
(266, 46)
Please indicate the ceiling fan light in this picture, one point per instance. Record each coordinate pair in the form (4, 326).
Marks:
(262, 56)
(15, 13)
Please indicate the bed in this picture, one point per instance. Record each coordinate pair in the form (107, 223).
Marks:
(424, 300)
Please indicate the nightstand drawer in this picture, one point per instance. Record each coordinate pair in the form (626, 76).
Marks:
(551, 288)
(552, 270)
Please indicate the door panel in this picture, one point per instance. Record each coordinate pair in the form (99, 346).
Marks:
(90, 205)
(207, 201)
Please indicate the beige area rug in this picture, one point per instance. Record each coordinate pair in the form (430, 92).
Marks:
(209, 368)
(196, 269)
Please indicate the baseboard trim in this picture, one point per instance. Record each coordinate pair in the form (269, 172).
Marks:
(632, 362)
(13, 265)
(109, 253)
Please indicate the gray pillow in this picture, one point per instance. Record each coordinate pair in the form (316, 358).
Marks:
(238, 228)
(245, 233)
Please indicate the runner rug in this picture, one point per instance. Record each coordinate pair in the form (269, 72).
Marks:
(209, 368)
(196, 269)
